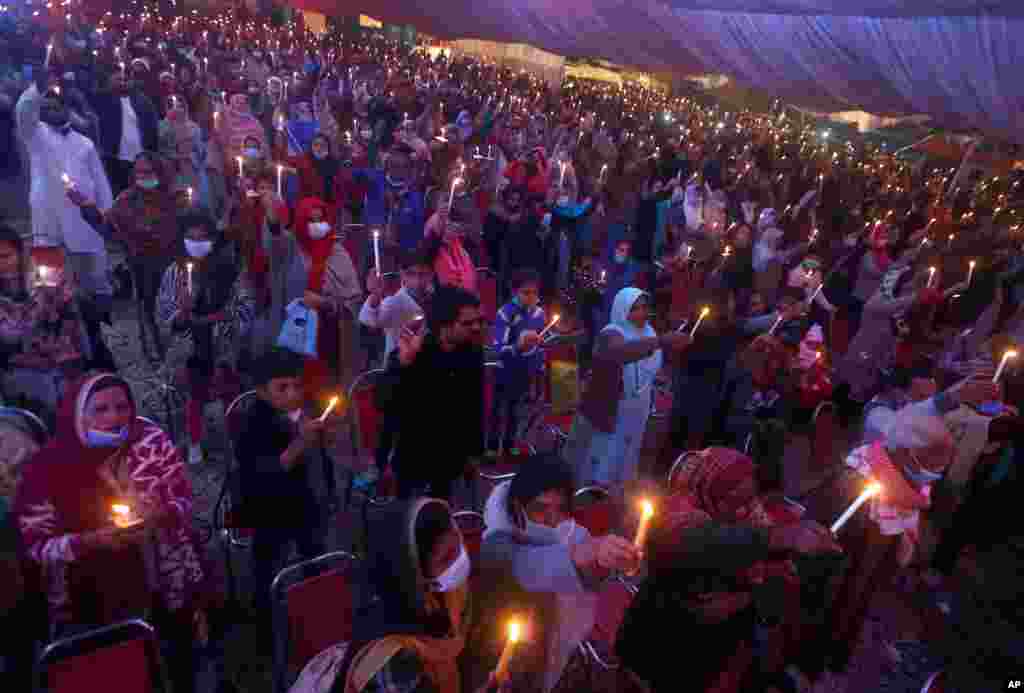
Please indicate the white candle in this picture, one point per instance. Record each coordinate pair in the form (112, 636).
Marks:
(49, 51)
(815, 294)
(646, 513)
(451, 196)
(871, 490)
(376, 251)
(700, 318)
(931, 276)
(1010, 354)
(43, 271)
(241, 168)
(330, 407)
(550, 325)
(188, 277)
(514, 633)
(600, 178)
(778, 321)
(970, 272)
(66, 180)
(280, 181)
(814, 235)
(190, 197)
(561, 181)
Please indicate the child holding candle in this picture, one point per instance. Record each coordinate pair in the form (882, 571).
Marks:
(516, 338)
(204, 294)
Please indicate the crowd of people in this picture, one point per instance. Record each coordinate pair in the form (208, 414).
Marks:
(299, 209)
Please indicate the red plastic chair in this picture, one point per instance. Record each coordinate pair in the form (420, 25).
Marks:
(839, 333)
(310, 612)
(366, 428)
(825, 427)
(487, 286)
(472, 526)
(595, 510)
(127, 653)
(670, 481)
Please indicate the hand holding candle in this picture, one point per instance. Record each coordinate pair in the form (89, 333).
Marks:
(330, 407)
(188, 277)
(551, 324)
(970, 271)
(931, 277)
(646, 513)
(871, 490)
(123, 516)
(376, 251)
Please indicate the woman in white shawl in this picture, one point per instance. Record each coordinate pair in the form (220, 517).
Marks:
(609, 430)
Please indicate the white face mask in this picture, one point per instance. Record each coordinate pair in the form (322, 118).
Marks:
(542, 534)
(455, 576)
(198, 249)
(295, 415)
(318, 229)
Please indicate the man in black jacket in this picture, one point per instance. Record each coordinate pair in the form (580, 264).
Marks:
(439, 395)
(128, 126)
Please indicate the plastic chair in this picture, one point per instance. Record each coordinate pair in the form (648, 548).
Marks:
(670, 480)
(487, 286)
(228, 518)
(127, 653)
(825, 426)
(28, 421)
(558, 416)
(597, 516)
(313, 603)
(366, 429)
(472, 526)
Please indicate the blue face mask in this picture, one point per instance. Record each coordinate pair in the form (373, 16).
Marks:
(620, 258)
(921, 477)
(95, 438)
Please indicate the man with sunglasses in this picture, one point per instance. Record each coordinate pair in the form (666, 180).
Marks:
(439, 395)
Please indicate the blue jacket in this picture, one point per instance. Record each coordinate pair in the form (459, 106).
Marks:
(517, 367)
(409, 214)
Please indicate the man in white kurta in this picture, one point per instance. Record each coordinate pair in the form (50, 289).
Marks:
(54, 150)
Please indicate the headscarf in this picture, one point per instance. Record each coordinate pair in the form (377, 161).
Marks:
(318, 250)
(710, 479)
(404, 607)
(637, 376)
(881, 256)
(236, 127)
(213, 276)
(326, 168)
(766, 248)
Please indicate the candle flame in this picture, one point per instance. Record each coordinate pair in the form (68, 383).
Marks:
(1011, 354)
(64, 177)
(121, 509)
(873, 489)
(514, 631)
(646, 509)
(971, 264)
(704, 311)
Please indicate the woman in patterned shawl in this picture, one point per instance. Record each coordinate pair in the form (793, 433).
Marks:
(93, 572)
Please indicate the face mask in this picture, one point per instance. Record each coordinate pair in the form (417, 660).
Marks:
(295, 415)
(318, 229)
(257, 54)
(251, 153)
(319, 155)
(455, 576)
(198, 249)
(95, 438)
(620, 258)
(148, 183)
(542, 534)
(395, 182)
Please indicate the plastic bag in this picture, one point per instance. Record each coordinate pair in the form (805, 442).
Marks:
(298, 332)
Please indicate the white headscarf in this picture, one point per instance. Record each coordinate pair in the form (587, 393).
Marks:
(639, 375)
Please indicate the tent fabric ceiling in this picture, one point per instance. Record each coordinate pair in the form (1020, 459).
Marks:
(954, 60)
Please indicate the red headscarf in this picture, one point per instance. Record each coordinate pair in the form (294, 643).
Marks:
(880, 255)
(318, 250)
(719, 483)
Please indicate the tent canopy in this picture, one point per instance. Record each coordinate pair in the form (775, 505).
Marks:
(951, 59)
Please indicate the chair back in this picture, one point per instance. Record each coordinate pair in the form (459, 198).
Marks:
(313, 605)
(234, 415)
(595, 509)
(28, 421)
(472, 526)
(825, 427)
(126, 652)
(487, 286)
(676, 466)
(228, 516)
(366, 415)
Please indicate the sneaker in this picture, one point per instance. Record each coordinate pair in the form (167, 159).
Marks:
(195, 454)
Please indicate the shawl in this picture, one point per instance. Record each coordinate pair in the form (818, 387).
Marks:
(146, 220)
(638, 376)
(317, 250)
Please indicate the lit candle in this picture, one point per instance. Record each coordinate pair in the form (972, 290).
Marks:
(931, 276)
(376, 251)
(814, 235)
(241, 167)
(778, 321)
(700, 318)
(330, 407)
(280, 181)
(1010, 354)
(646, 513)
(600, 179)
(49, 51)
(190, 197)
(871, 490)
(970, 271)
(551, 324)
(66, 180)
(451, 196)
(188, 277)
(123, 516)
(514, 634)
(43, 271)
(561, 181)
